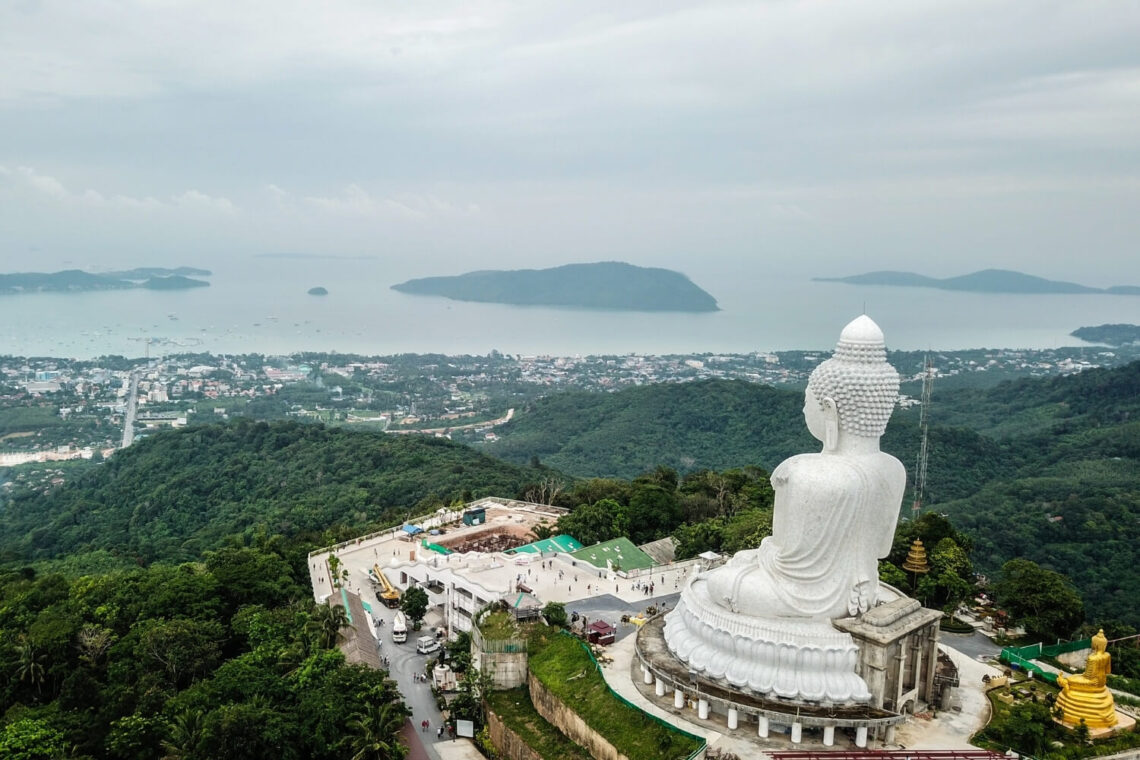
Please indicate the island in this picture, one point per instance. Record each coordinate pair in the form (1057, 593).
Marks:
(173, 282)
(1112, 335)
(318, 291)
(611, 285)
(145, 273)
(78, 281)
(985, 281)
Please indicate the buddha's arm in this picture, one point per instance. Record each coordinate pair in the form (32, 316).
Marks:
(887, 504)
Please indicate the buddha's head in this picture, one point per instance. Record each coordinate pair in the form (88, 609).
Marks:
(856, 388)
(1099, 642)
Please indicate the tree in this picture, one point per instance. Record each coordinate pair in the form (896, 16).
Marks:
(1024, 728)
(468, 703)
(591, 523)
(250, 730)
(654, 511)
(92, 641)
(414, 604)
(705, 536)
(555, 614)
(339, 576)
(30, 664)
(185, 649)
(133, 737)
(325, 624)
(376, 732)
(1042, 601)
(31, 739)
(183, 736)
(459, 652)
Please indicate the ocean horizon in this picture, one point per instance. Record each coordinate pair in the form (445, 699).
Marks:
(259, 305)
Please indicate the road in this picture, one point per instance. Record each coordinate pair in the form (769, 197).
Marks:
(976, 645)
(403, 664)
(132, 408)
(452, 428)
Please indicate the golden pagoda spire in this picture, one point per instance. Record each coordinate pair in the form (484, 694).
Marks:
(916, 558)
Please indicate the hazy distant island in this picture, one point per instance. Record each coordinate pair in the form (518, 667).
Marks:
(602, 285)
(318, 291)
(78, 281)
(1112, 335)
(174, 282)
(985, 281)
(145, 273)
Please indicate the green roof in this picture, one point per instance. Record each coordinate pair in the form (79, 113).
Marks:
(560, 543)
(621, 551)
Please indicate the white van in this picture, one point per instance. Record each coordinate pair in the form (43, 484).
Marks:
(399, 628)
(427, 645)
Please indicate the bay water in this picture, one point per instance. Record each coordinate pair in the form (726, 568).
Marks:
(261, 305)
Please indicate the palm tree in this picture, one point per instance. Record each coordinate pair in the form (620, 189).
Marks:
(376, 732)
(326, 623)
(339, 574)
(30, 666)
(185, 734)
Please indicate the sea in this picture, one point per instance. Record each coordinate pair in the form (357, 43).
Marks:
(261, 305)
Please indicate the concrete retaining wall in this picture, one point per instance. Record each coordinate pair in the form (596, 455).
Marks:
(506, 742)
(567, 721)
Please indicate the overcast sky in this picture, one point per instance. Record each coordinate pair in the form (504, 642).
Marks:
(816, 137)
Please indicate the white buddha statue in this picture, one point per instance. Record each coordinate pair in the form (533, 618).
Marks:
(763, 620)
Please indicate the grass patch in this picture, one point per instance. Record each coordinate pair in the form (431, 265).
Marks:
(518, 713)
(560, 663)
(498, 626)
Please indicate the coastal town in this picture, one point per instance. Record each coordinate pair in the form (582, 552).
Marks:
(55, 410)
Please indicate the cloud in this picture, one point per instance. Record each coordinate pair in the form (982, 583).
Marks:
(38, 185)
(627, 128)
(199, 200)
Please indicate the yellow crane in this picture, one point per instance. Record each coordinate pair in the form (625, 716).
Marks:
(389, 594)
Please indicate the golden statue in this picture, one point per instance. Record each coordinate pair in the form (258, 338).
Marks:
(1087, 696)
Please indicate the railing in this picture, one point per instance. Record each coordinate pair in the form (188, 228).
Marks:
(1023, 657)
(659, 569)
(435, 519)
(494, 646)
(432, 520)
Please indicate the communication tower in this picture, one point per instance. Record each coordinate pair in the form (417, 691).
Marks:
(924, 426)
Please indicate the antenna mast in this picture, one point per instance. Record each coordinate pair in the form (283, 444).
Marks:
(924, 425)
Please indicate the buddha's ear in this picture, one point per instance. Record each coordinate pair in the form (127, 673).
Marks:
(831, 424)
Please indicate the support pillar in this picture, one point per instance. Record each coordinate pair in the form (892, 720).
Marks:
(797, 732)
(678, 698)
(828, 736)
(889, 738)
(733, 717)
(763, 729)
(660, 689)
(703, 709)
(861, 736)
(646, 676)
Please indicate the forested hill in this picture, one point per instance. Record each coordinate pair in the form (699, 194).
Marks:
(178, 493)
(716, 425)
(1074, 503)
(1047, 469)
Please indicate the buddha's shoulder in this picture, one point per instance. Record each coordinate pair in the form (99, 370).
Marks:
(828, 468)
